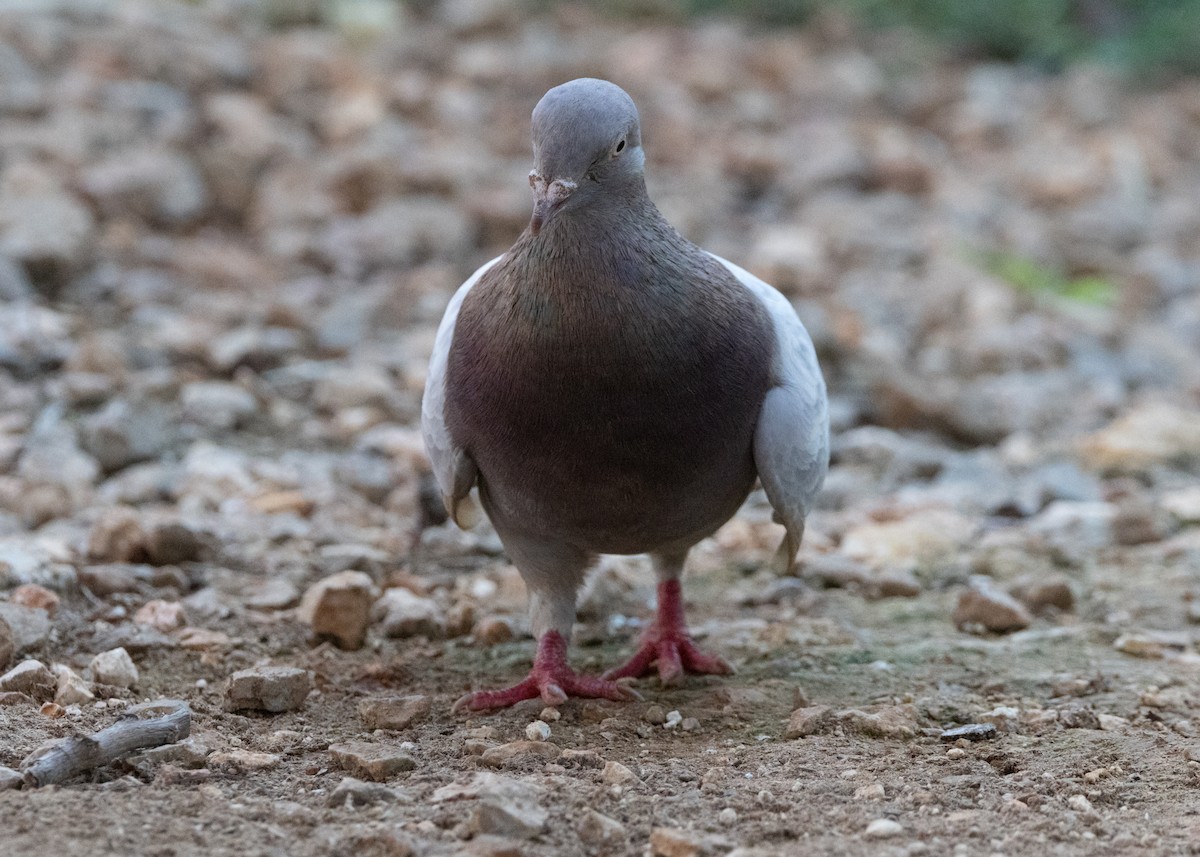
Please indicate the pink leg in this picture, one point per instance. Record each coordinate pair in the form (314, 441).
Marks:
(552, 679)
(668, 644)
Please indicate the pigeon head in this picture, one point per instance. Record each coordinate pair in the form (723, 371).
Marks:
(587, 145)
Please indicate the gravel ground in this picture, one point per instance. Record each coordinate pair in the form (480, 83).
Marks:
(226, 237)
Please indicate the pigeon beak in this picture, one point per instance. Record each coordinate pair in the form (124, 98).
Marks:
(548, 197)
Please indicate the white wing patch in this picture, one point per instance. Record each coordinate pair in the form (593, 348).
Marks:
(791, 441)
(453, 469)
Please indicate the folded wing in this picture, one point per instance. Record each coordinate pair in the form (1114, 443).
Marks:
(453, 469)
(791, 440)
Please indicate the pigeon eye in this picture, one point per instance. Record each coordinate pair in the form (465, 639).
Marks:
(620, 147)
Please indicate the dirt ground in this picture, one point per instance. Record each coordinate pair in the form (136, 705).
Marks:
(227, 232)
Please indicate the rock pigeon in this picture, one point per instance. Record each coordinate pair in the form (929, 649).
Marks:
(611, 388)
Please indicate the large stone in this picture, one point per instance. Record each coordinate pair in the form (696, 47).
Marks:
(271, 689)
(340, 607)
(32, 678)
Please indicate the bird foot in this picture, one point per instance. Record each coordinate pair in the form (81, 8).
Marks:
(552, 679)
(668, 645)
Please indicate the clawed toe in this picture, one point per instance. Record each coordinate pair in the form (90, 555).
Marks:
(552, 679)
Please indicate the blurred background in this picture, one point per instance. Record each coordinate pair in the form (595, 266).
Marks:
(228, 230)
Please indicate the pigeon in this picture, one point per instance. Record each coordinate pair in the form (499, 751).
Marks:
(608, 387)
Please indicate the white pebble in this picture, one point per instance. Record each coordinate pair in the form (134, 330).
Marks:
(550, 715)
(883, 828)
(674, 718)
(538, 730)
(1079, 803)
(728, 816)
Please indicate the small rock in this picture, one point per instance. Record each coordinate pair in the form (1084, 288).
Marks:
(109, 579)
(1111, 722)
(883, 828)
(172, 543)
(367, 761)
(654, 715)
(30, 626)
(355, 792)
(1148, 434)
(280, 502)
(871, 791)
(161, 615)
(616, 774)
(115, 668)
(812, 720)
(1183, 504)
(1150, 644)
(36, 597)
(274, 593)
(517, 751)
(217, 404)
(727, 816)
(971, 732)
(271, 689)
(117, 536)
(600, 831)
(509, 814)
(8, 644)
(340, 607)
(1003, 717)
(493, 630)
(400, 613)
(1077, 716)
(1045, 595)
(990, 608)
(238, 760)
(394, 712)
(893, 721)
(672, 842)
(188, 753)
(1079, 803)
(538, 730)
(10, 779)
(32, 678)
(72, 689)
(12, 697)
(203, 639)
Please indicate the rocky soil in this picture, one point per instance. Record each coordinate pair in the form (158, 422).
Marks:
(226, 236)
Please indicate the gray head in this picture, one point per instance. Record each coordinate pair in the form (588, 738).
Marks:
(587, 145)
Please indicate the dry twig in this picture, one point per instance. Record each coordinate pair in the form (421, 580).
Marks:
(67, 757)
